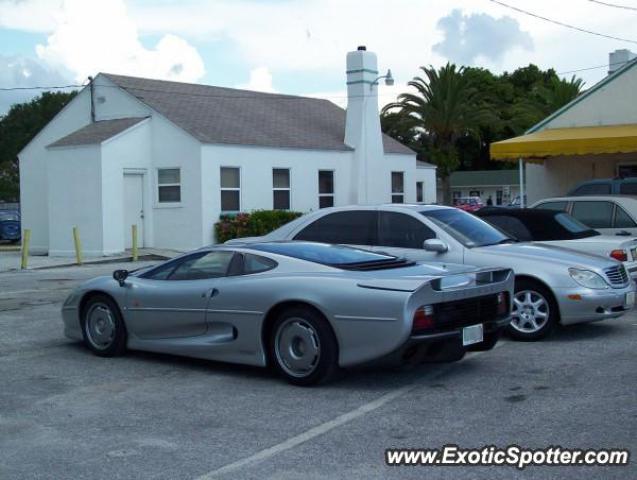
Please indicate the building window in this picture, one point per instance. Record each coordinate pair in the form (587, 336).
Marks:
(230, 189)
(168, 185)
(419, 192)
(397, 187)
(281, 188)
(326, 188)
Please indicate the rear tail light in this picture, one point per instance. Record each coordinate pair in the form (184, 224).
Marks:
(620, 255)
(503, 304)
(423, 318)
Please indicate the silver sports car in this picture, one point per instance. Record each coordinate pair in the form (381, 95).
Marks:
(305, 308)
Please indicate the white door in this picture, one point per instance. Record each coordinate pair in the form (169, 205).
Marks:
(133, 208)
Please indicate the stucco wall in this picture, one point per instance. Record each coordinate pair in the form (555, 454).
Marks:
(130, 151)
(256, 164)
(34, 165)
(558, 175)
(611, 104)
(74, 199)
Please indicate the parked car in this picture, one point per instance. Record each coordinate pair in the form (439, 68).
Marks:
(311, 308)
(469, 204)
(606, 186)
(610, 215)
(553, 227)
(553, 284)
(10, 226)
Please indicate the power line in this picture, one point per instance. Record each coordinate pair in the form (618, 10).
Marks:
(9, 89)
(562, 24)
(614, 5)
(607, 65)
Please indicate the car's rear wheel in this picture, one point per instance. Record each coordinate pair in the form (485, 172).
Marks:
(303, 347)
(534, 312)
(103, 328)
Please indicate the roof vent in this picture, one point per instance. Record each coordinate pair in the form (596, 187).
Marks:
(362, 48)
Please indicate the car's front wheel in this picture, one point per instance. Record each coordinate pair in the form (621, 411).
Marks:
(303, 347)
(534, 312)
(103, 328)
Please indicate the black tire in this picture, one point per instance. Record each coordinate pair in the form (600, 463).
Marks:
(537, 290)
(490, 340)
(445, 351)
(116, 345)
(307, 331)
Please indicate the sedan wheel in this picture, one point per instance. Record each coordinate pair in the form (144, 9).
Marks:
(534, 311)
(102, 326)
(303, 347)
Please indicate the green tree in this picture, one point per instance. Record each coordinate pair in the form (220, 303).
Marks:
(17, 128)
(445, 108)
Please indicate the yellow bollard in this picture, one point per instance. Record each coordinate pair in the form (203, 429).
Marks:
(78, 245)
(26, 238)
(134, 228)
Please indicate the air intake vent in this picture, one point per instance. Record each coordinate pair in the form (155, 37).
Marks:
(617, 276)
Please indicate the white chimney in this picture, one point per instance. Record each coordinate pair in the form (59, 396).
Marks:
(370, 177)
(618, 59)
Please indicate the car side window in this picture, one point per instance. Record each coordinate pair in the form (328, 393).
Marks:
(628, 188)
(354, 227)
(593, 189)
(162, 272)
(560, 206)
(622, 219)
(209, 265)
(256, 264)
(594, 214)
(511, 225)
(402, 231)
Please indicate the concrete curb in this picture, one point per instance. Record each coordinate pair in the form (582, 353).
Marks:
(128, 258)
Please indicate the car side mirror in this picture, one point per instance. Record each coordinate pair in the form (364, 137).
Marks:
(120, 277)
(435, 245)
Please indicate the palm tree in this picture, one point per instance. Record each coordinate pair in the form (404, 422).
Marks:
(561, 92)
(445, 107)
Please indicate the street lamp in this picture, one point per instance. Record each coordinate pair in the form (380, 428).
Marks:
(389, 80)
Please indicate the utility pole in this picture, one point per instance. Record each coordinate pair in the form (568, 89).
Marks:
(90, 85)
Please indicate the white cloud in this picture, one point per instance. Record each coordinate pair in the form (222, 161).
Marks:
(260, 81)
(87, 37)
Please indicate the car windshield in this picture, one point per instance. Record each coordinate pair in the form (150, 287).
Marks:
(574, 226)
(466, 228)
(333, 255)
(7, 216)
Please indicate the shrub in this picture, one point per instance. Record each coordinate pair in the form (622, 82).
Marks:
(254, 224)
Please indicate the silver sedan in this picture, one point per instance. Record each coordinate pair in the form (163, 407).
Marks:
(304, 308)
(552, 284)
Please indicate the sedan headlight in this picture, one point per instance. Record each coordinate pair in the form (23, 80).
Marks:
(587, 279)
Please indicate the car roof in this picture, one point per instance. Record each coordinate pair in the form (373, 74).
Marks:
(588, 198)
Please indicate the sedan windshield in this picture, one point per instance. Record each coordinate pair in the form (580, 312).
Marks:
(466, 228)
(333, 255)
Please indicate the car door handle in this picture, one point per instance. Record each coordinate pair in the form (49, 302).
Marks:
(210, 293)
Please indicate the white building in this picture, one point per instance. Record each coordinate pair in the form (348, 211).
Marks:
(593, 136)
(503, 186)
(171, 157)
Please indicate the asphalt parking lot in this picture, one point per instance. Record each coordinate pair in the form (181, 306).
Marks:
(65, 413)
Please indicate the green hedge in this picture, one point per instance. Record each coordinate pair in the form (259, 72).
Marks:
(252, 224)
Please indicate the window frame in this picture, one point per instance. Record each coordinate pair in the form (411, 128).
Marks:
(158, 202)
(230, 189)
(175, 263)
(325, 195)
(283, 189)
(420, 191)
(402, 192)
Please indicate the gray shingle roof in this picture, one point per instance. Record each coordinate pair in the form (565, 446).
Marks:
(96, 132)
(243, 117)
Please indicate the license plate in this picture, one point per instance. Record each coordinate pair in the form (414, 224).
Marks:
(629, 301)
(472, 334)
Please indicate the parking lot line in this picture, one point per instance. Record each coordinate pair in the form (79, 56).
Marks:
(325, 427)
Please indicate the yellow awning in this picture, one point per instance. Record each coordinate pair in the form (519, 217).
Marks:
(567, 141)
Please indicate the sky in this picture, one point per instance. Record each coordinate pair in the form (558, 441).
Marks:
(295, 46)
